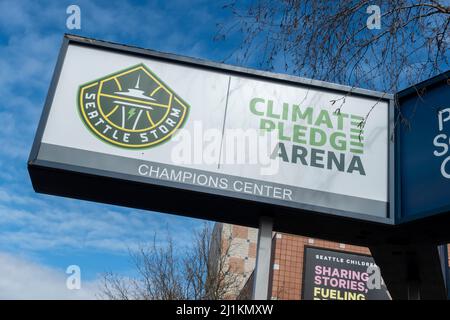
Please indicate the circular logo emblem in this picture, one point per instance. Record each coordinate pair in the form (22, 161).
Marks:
(131, 108)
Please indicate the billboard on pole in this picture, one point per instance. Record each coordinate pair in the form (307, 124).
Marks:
(423, 154)
(160, 122)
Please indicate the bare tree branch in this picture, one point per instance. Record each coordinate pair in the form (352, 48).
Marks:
(201, 272)
(330, 40)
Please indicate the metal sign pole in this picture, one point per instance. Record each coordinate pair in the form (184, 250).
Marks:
(413, 290)
(263, 255)
(443, 255)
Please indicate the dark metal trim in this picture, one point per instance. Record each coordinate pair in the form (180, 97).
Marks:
(48, 101)
(429, 83)
(218, 67)
(221, 67)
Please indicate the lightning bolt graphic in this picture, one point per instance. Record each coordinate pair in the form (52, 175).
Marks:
(131, 113)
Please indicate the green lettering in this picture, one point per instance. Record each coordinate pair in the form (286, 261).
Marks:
(299, 132)
(266, 124)
(341, 117)
(281, 135)
(298, 114)
(324, 118)
(337, 141)
(270, 112)
(317, 137)
(285, 111)
(253, 109)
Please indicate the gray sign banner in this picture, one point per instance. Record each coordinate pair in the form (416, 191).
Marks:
(204, 181)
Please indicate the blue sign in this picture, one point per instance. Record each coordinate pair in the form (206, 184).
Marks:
(423, 149)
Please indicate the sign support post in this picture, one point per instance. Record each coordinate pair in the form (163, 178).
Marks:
(263, 255)
(413, 290)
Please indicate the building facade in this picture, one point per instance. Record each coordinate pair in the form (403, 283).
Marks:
(233, 251)
(287, 275)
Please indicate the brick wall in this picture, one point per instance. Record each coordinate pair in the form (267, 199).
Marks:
(239, 245)
(287, 262)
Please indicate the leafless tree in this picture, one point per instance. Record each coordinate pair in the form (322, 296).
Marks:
(209, 271)
(330, 40)
(202, 272)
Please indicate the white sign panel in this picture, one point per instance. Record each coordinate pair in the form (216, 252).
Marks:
(246, 136)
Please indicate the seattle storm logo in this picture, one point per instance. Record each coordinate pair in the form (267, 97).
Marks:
(131, 108)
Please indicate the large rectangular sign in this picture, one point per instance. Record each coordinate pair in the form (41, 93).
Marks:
(159, 120)
(423, 153)
(335, 275)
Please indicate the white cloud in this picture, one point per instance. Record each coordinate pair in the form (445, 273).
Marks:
(30, 36)
(27, 223)
(23, 279)
(10, 197)
(34, 33)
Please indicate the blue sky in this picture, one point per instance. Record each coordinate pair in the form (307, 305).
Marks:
(41, 235)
